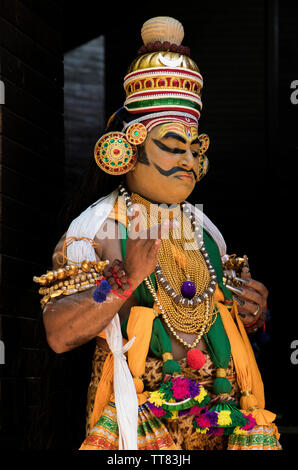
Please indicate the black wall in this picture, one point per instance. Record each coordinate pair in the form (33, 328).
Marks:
(31, 161)
(247, 55)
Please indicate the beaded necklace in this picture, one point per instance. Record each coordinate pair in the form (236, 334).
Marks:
(180, 270)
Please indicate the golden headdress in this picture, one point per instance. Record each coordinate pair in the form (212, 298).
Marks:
(163, 81)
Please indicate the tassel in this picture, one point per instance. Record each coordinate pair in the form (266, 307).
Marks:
(178, 395)
(222, 415)
(248, 403)
(221, 385)
(171, 367)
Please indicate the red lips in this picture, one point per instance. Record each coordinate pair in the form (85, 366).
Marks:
(186, 176)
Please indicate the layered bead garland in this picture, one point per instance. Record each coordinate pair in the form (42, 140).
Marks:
(181, 312)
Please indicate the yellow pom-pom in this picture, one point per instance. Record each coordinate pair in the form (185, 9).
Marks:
(224, 418)
(201, 395)
(156, 398)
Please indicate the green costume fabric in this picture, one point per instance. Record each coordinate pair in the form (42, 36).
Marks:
(216, 339)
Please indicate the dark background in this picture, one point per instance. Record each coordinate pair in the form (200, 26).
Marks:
(247, 53)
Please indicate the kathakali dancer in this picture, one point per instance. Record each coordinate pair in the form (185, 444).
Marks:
(147, 274)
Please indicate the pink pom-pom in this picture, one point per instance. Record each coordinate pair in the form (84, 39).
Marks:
(195, 358)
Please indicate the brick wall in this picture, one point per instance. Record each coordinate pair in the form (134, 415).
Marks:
(84, 106)
(31, 160)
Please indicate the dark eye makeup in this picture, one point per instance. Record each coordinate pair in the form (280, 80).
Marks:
(171, 150)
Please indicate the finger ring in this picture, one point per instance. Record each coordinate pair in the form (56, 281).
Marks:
(256, 312)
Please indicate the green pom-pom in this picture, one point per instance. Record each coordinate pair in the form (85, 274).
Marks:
(221, 385)
(169, 367)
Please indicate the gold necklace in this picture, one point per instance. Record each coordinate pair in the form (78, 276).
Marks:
(177, 264)
(204, 329)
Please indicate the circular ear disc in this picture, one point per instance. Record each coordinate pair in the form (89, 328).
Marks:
(114, 154)
(205, 142)
(203, 162)
(203, 167)
(136, 134)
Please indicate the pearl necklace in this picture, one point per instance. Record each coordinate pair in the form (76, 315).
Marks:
(151, 289)
(204, 297)
(178, 299)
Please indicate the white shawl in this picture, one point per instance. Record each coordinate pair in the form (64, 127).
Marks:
(87, 225)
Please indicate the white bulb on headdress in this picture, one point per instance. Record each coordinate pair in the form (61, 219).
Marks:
(162, 28)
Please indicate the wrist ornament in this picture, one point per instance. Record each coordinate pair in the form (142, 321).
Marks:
(232, 266)
(115, 280)
(69, 279)
(254, 323)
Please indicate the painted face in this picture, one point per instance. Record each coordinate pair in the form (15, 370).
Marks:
(168, 164)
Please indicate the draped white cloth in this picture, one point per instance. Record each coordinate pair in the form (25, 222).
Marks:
(87, 225)
(126, 399)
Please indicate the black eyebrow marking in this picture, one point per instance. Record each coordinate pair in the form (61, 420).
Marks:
(196, 141)
(167, 149)
(173, 135)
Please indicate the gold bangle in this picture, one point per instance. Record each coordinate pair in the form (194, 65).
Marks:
(59, 289)
(167, 356)
(220, 372)
(81, 280)
(71, 270)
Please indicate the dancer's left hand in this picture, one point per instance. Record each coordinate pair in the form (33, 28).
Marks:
(252, 302)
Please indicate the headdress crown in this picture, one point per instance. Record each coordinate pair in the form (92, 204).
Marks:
(163, 78)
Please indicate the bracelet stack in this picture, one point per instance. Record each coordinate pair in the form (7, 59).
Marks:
(232, 266)
(115, 280)
(70, 279)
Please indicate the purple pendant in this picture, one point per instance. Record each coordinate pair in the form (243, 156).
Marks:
(188, 289)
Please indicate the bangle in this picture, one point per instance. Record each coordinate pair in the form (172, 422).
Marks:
(250, 324)
(126, 293)
(114, 281)
(69, 280)
(253, 323)
(70, 271)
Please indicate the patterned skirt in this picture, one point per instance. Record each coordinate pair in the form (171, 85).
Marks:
(164, 434)
(154, 433)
